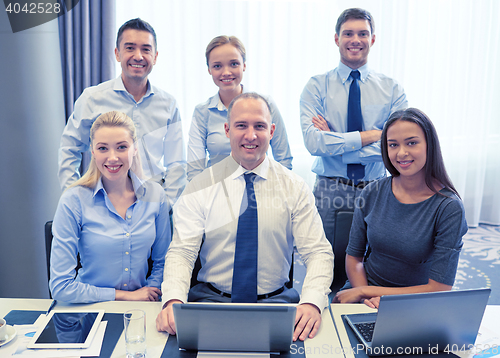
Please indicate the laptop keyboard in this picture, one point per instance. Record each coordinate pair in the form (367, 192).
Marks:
(366, 330)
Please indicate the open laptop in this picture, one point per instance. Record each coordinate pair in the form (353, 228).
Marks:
(422, 323)
(234, 327)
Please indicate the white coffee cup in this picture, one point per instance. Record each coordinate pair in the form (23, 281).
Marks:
(3, 330)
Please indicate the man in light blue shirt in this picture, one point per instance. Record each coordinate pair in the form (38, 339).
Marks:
(323, 115)
(154, 112)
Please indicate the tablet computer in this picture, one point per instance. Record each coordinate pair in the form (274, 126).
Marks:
(67, 329)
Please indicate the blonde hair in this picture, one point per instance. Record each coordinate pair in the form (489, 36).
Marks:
(109, 119)
(222, 40)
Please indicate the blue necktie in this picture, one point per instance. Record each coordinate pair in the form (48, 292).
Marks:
(355, 172)
(244, 287)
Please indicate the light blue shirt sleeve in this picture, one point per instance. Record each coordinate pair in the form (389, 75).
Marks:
(159, 131)
(75, 140)
(327, 95)
(113, 250)
(174, 158)
(162, 239)
(323, 143)
(208, 143)
(197, 143)
(279, 143)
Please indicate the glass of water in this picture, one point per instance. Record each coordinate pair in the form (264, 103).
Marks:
(135, 333)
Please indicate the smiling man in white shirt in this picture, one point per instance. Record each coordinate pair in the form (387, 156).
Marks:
(207, 216)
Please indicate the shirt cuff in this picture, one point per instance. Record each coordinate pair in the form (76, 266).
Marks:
(318, 299)
(352, 142)
(106, 294)
(168, 295)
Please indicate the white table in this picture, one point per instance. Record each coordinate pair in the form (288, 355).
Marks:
(325, 344)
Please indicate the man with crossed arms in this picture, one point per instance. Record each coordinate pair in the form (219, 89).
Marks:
(209, 210)
(347, 152)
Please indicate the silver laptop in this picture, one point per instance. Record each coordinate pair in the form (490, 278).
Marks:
(422, 323)
(234, 327)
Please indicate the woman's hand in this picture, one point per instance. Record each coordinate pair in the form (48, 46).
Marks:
(356, 295)
(351, 295)
(372, 302)
(370, 295)
(142, 294)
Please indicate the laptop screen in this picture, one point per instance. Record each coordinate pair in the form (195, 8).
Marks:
(234, 327)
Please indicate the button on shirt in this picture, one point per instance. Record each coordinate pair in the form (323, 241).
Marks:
(328, 96)
(210, 205)
(207, 136)
(159, 131)
(113, 251)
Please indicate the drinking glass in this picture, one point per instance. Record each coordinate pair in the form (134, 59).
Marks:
(135, 333)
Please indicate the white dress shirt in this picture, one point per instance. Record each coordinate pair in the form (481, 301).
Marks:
(287, 216)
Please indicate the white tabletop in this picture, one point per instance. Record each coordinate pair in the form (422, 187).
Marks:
(325, 344)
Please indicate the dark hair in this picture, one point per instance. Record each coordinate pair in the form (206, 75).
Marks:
(135, 24)
(222, 40)
(355, 13)
(246, 95)
(434, 165)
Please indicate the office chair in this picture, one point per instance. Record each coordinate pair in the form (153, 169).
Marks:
(48, 247)
(289, 284)
(343, 221)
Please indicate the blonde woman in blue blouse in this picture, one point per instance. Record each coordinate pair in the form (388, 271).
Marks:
(114, 220)
(208, 143)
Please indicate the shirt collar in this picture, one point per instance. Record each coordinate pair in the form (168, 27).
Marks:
(138, 184)
(262, 170)
(119, 86)
(345, 71)
(220, 105)
(99, 187)
(216, 102)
